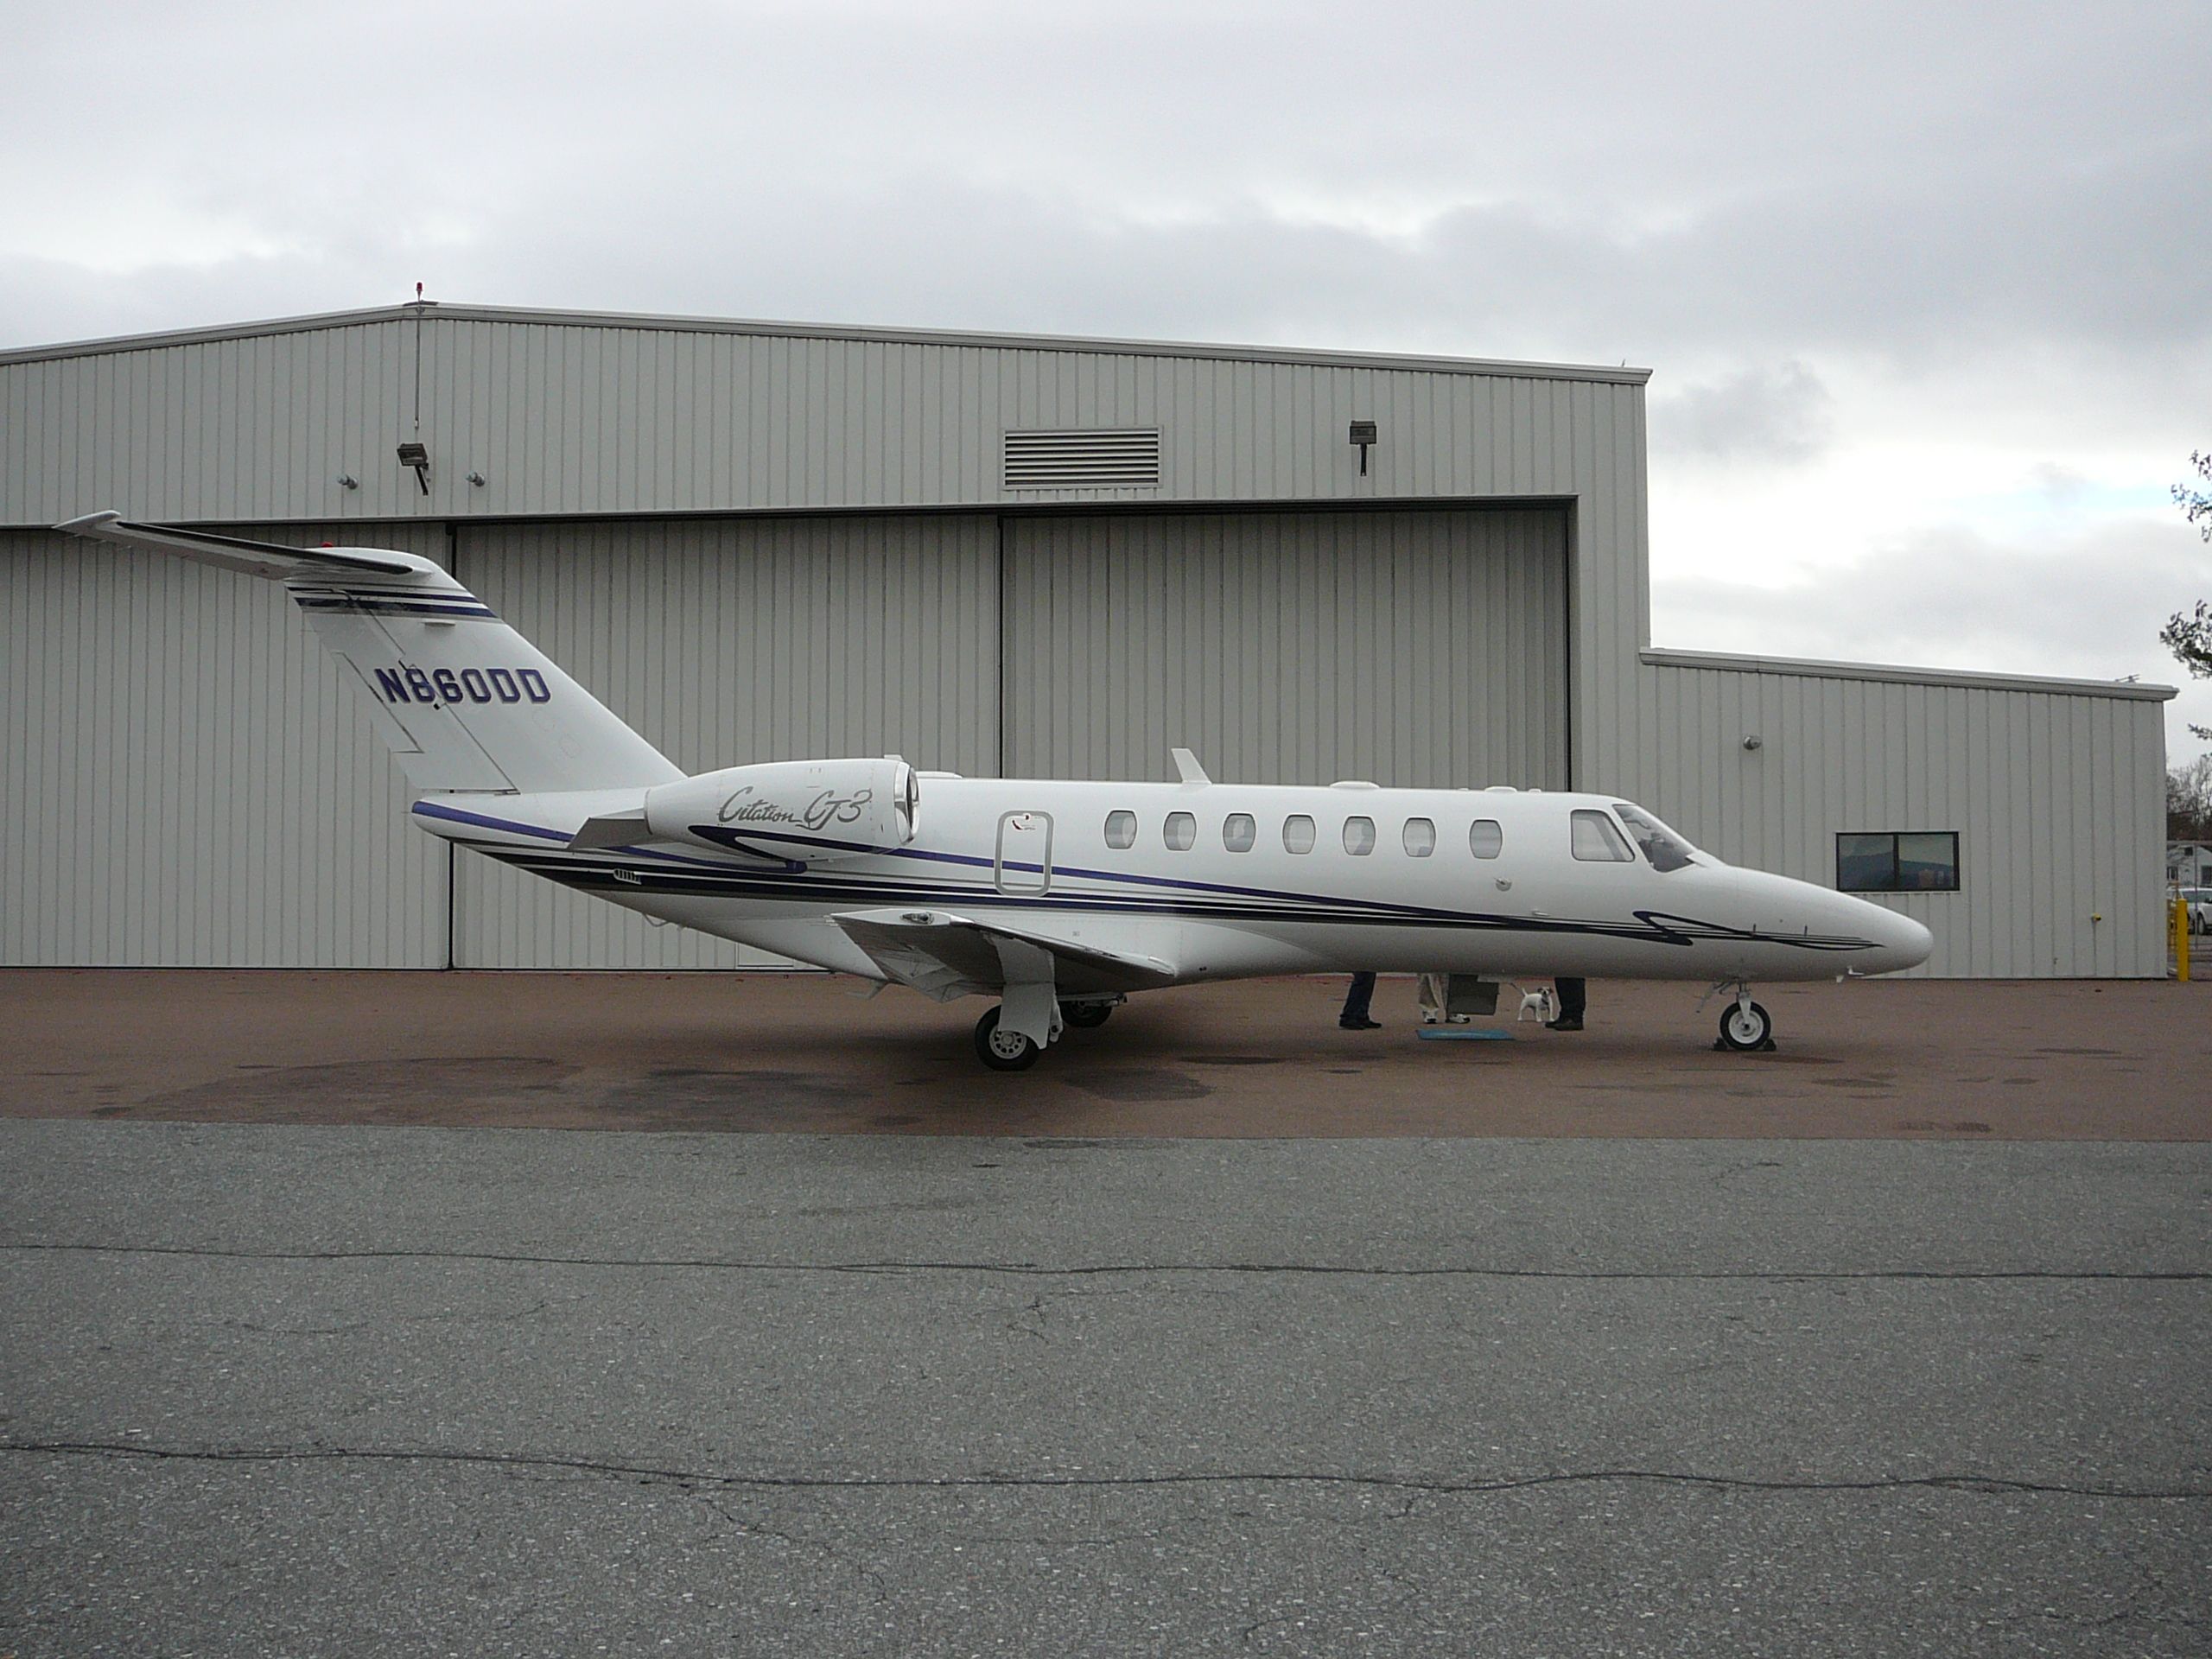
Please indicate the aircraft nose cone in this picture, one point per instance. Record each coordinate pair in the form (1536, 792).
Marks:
(1904, 942)
(1923, 943)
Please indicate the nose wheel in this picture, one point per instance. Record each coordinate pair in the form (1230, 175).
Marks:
(1745, 1026)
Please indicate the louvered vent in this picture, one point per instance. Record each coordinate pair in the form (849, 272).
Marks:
(1097, 458)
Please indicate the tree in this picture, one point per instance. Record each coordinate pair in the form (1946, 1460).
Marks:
(2189, 635)
(2189, 801)
(2196, 504)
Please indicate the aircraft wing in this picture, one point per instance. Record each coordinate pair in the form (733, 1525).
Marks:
(946, 956)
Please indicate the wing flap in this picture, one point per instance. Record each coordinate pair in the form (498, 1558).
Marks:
(944, 956)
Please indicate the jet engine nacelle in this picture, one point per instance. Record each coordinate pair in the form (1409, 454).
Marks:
(809, 811)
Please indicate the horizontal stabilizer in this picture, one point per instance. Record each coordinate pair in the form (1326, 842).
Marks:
(946, 956)
(233, 553)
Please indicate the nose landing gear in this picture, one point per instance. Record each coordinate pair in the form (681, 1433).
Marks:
(1745, 1027)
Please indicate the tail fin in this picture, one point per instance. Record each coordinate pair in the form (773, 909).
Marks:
(464, 701)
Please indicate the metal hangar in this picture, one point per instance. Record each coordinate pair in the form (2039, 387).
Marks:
(988, 553)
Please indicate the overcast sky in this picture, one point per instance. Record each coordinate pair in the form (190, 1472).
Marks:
(1927, 290)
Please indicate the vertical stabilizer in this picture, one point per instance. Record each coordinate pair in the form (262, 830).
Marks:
(464, 701)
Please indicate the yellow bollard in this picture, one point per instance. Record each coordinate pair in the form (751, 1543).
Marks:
(2177, 919)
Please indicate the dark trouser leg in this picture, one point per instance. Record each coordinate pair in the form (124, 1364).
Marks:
(1573, 997)
(1358, 998)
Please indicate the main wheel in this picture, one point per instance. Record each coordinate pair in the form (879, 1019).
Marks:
(1002, 1051)
(1744, 1027)
(1085, 1016)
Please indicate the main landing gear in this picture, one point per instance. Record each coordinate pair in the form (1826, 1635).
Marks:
(1003, 1049)
(1745, 1027)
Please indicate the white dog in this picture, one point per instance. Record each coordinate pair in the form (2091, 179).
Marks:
(1537, 1005)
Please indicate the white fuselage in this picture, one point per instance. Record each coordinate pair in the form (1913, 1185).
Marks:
(1038, 854)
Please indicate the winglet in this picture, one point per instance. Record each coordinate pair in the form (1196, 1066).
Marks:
(1186, 765)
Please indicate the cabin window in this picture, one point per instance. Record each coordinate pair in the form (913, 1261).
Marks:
(1484, 838)
(1182, 832)
(1298, 834)
(1921, 861)
(1359, 836)
(1596, 842)
(1421, 837)
(1238, 832)
(1120, 830)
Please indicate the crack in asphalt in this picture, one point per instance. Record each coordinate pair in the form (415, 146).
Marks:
(1031, 1269)
(1976, 1485)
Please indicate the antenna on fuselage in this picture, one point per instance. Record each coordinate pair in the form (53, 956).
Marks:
(1188, 769)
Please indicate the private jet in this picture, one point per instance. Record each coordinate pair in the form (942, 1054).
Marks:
(1057, 899)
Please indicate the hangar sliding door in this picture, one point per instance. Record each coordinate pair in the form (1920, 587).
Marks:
(728, 641)
(188, 781)
(1406, 647)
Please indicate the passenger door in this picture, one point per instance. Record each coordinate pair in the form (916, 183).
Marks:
(1025, 853)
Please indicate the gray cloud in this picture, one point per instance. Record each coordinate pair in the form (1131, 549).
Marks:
(1717, 184)
(1781, 414)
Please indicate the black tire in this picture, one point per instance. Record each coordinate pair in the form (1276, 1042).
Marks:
(1012, 1052)
(1086, 1016)
(1746, 1029)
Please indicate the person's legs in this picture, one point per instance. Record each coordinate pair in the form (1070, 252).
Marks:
(1574, 999)
(1355, 1017)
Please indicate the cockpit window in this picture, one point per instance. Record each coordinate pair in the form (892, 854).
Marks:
(1596, 841)
(1666, 850)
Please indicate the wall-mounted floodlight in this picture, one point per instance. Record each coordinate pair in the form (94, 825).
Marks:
(1363, 433)
(477, 479)
(418, 456)
(1754, 742)
(348, 482)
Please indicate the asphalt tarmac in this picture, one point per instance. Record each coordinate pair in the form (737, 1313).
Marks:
(301, 1391)
(1922, 1059)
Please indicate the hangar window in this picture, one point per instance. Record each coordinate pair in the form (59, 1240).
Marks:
(1359, 836)
(1484, 838)
(1238, 832)
(1915, 861)
(1298, 834)
(1182, 831)
(1421, 837)
(1121, 829)
(1596, 841)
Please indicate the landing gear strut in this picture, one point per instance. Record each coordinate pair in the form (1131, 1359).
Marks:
(1745, 1026)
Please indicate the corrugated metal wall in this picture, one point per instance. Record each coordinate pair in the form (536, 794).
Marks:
(1294, 647)
(186, 781)
(574, 416)
(732, 642)
(2058, 801)
(613, 417)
